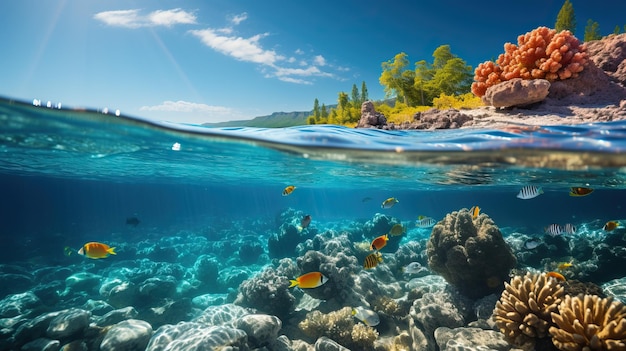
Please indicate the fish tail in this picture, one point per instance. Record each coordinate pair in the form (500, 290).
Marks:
(293, 283)
(112, 251)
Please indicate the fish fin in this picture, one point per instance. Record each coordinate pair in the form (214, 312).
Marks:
(293, 283)
(111, 250)
(420, 217)
(353, 311)
(299, 227)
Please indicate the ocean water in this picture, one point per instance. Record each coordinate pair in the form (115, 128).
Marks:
(69, 177)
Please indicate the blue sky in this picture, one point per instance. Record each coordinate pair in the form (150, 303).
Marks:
(215, 60)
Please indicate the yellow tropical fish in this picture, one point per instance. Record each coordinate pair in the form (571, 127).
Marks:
(309, 280)
(96, 250)
(475, 211)
(564, 265)
(288, 190)
(397, 229)
(389, 202)
(372, 260)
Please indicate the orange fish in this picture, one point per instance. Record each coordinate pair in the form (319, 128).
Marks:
(96, 250)
(379, 242)
(610, 225)
(556, 275)
(309, 280)
(579, 191)
(288, 190)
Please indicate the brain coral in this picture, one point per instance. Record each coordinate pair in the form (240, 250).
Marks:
(588, 322)
(540, 53)
(470, 253)
(523, 312)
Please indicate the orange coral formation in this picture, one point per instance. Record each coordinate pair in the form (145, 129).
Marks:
(540, 53)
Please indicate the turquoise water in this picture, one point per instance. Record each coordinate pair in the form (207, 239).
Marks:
(70, 177)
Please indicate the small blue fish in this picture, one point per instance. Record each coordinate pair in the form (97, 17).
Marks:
(425, 222)
(529, 192)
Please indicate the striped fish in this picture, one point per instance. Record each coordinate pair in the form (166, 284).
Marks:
(372, 260)
(425, 222)
(554, 229)
(529, 192)
(569, 228)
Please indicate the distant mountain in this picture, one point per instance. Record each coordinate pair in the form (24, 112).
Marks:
(275, 120)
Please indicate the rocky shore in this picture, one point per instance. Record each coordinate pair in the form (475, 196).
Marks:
(598, 94)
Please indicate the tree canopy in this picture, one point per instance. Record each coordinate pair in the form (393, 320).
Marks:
(566, 20)
(592, 31)
(447, 74)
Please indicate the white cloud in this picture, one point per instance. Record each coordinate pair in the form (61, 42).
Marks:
(251, 50)
(302, 72)
(243, 49)
(191, 112)
(319, 60)
(239, 18)
(299, 52)
(295, 80)
(134, 19)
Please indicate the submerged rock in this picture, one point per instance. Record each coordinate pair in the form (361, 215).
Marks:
(42, 344)
(262, 329)
(68, 323)
(129, 335)
(190, 336)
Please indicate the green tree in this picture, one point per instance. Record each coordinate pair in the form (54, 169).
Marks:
(311, 120)
(343, 105)
(364, 93)
(592, 31)
(316, 109)
(324, 112)
(397, 78)
(355, 96)
(447, 74)
(617, 30)
(566, 20)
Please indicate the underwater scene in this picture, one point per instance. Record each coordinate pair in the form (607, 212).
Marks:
(120, 233)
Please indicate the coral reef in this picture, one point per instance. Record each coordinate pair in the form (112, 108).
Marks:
(470, 253)
(339, 326)
(339, 268)
(523, 312)
(588, 322)
(542, 53)
(268, 291)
